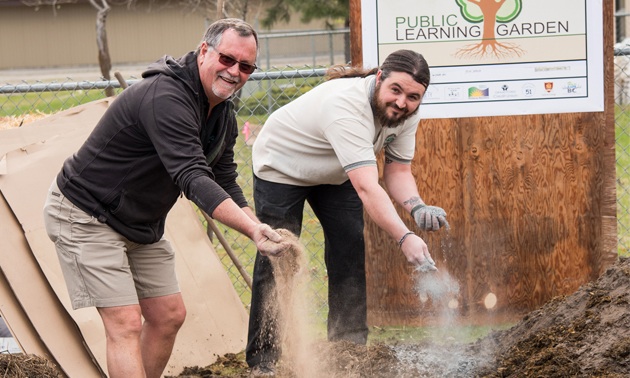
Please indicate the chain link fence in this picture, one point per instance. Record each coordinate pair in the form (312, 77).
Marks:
(265, 92)
(262, 94)
(622, 147)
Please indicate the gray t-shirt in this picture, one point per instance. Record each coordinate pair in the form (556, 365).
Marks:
(328, 131)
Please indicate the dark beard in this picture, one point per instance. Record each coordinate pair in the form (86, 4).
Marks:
(380, 111)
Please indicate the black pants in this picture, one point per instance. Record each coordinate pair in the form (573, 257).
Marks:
(340, 212)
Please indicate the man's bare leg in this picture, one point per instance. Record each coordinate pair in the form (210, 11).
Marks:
(123, 326)
(163, 317)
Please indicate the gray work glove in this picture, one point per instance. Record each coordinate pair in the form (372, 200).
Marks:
(429, 218)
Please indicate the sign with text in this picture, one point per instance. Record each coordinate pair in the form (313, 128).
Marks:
(495, 57)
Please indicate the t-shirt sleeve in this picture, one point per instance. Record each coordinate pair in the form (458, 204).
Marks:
(402, 148)
(352, 142)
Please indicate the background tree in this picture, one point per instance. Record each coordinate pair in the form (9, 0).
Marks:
(216, 9)
(279, 10)
(328, 10)
(104, 59)
(210, 9)
(102, 10)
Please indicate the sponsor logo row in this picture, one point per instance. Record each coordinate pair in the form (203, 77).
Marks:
(505, 91)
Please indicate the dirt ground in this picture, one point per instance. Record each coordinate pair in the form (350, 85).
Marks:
(586, 334)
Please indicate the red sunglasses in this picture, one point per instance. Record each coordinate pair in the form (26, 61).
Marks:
(228, 61)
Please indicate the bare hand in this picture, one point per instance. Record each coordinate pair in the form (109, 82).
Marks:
(417, 252)
(269, 242)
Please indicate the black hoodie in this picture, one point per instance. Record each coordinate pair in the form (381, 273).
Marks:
(154, 142)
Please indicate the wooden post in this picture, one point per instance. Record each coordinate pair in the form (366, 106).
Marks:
(356, 45)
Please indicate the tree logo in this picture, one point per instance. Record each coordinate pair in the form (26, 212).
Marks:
(489, 12)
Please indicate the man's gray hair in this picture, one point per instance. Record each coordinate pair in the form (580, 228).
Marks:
(215, 31)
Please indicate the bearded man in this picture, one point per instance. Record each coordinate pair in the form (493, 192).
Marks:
(322, 148)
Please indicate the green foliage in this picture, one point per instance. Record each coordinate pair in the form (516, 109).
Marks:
(280, 11)
(328, 10)
(622, 139)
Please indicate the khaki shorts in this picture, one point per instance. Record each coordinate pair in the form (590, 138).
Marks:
(101, 267)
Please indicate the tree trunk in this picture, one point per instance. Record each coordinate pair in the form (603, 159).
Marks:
(245, 10)
(104, 59)
(220, 10)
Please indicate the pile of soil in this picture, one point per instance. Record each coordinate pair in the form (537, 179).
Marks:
(585, 334)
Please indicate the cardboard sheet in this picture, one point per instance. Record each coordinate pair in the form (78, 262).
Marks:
(53, 125)
(32, 155)
(39, 322)
(10, 308)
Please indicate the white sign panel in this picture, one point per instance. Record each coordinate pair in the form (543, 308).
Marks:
(495, 57)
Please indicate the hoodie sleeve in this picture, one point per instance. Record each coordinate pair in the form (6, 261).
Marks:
(171, 118)
(225, 170)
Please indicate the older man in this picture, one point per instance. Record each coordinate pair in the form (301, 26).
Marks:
(172, 133)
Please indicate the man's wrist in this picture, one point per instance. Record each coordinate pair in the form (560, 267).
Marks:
(402, 239)
(416, 208)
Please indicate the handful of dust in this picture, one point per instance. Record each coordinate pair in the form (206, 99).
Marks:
(291, 276)
(291, 261)
(288, 271)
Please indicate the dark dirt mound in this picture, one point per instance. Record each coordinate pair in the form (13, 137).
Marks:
(586, 334)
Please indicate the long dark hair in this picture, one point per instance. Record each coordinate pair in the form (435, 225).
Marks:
(407, 61)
